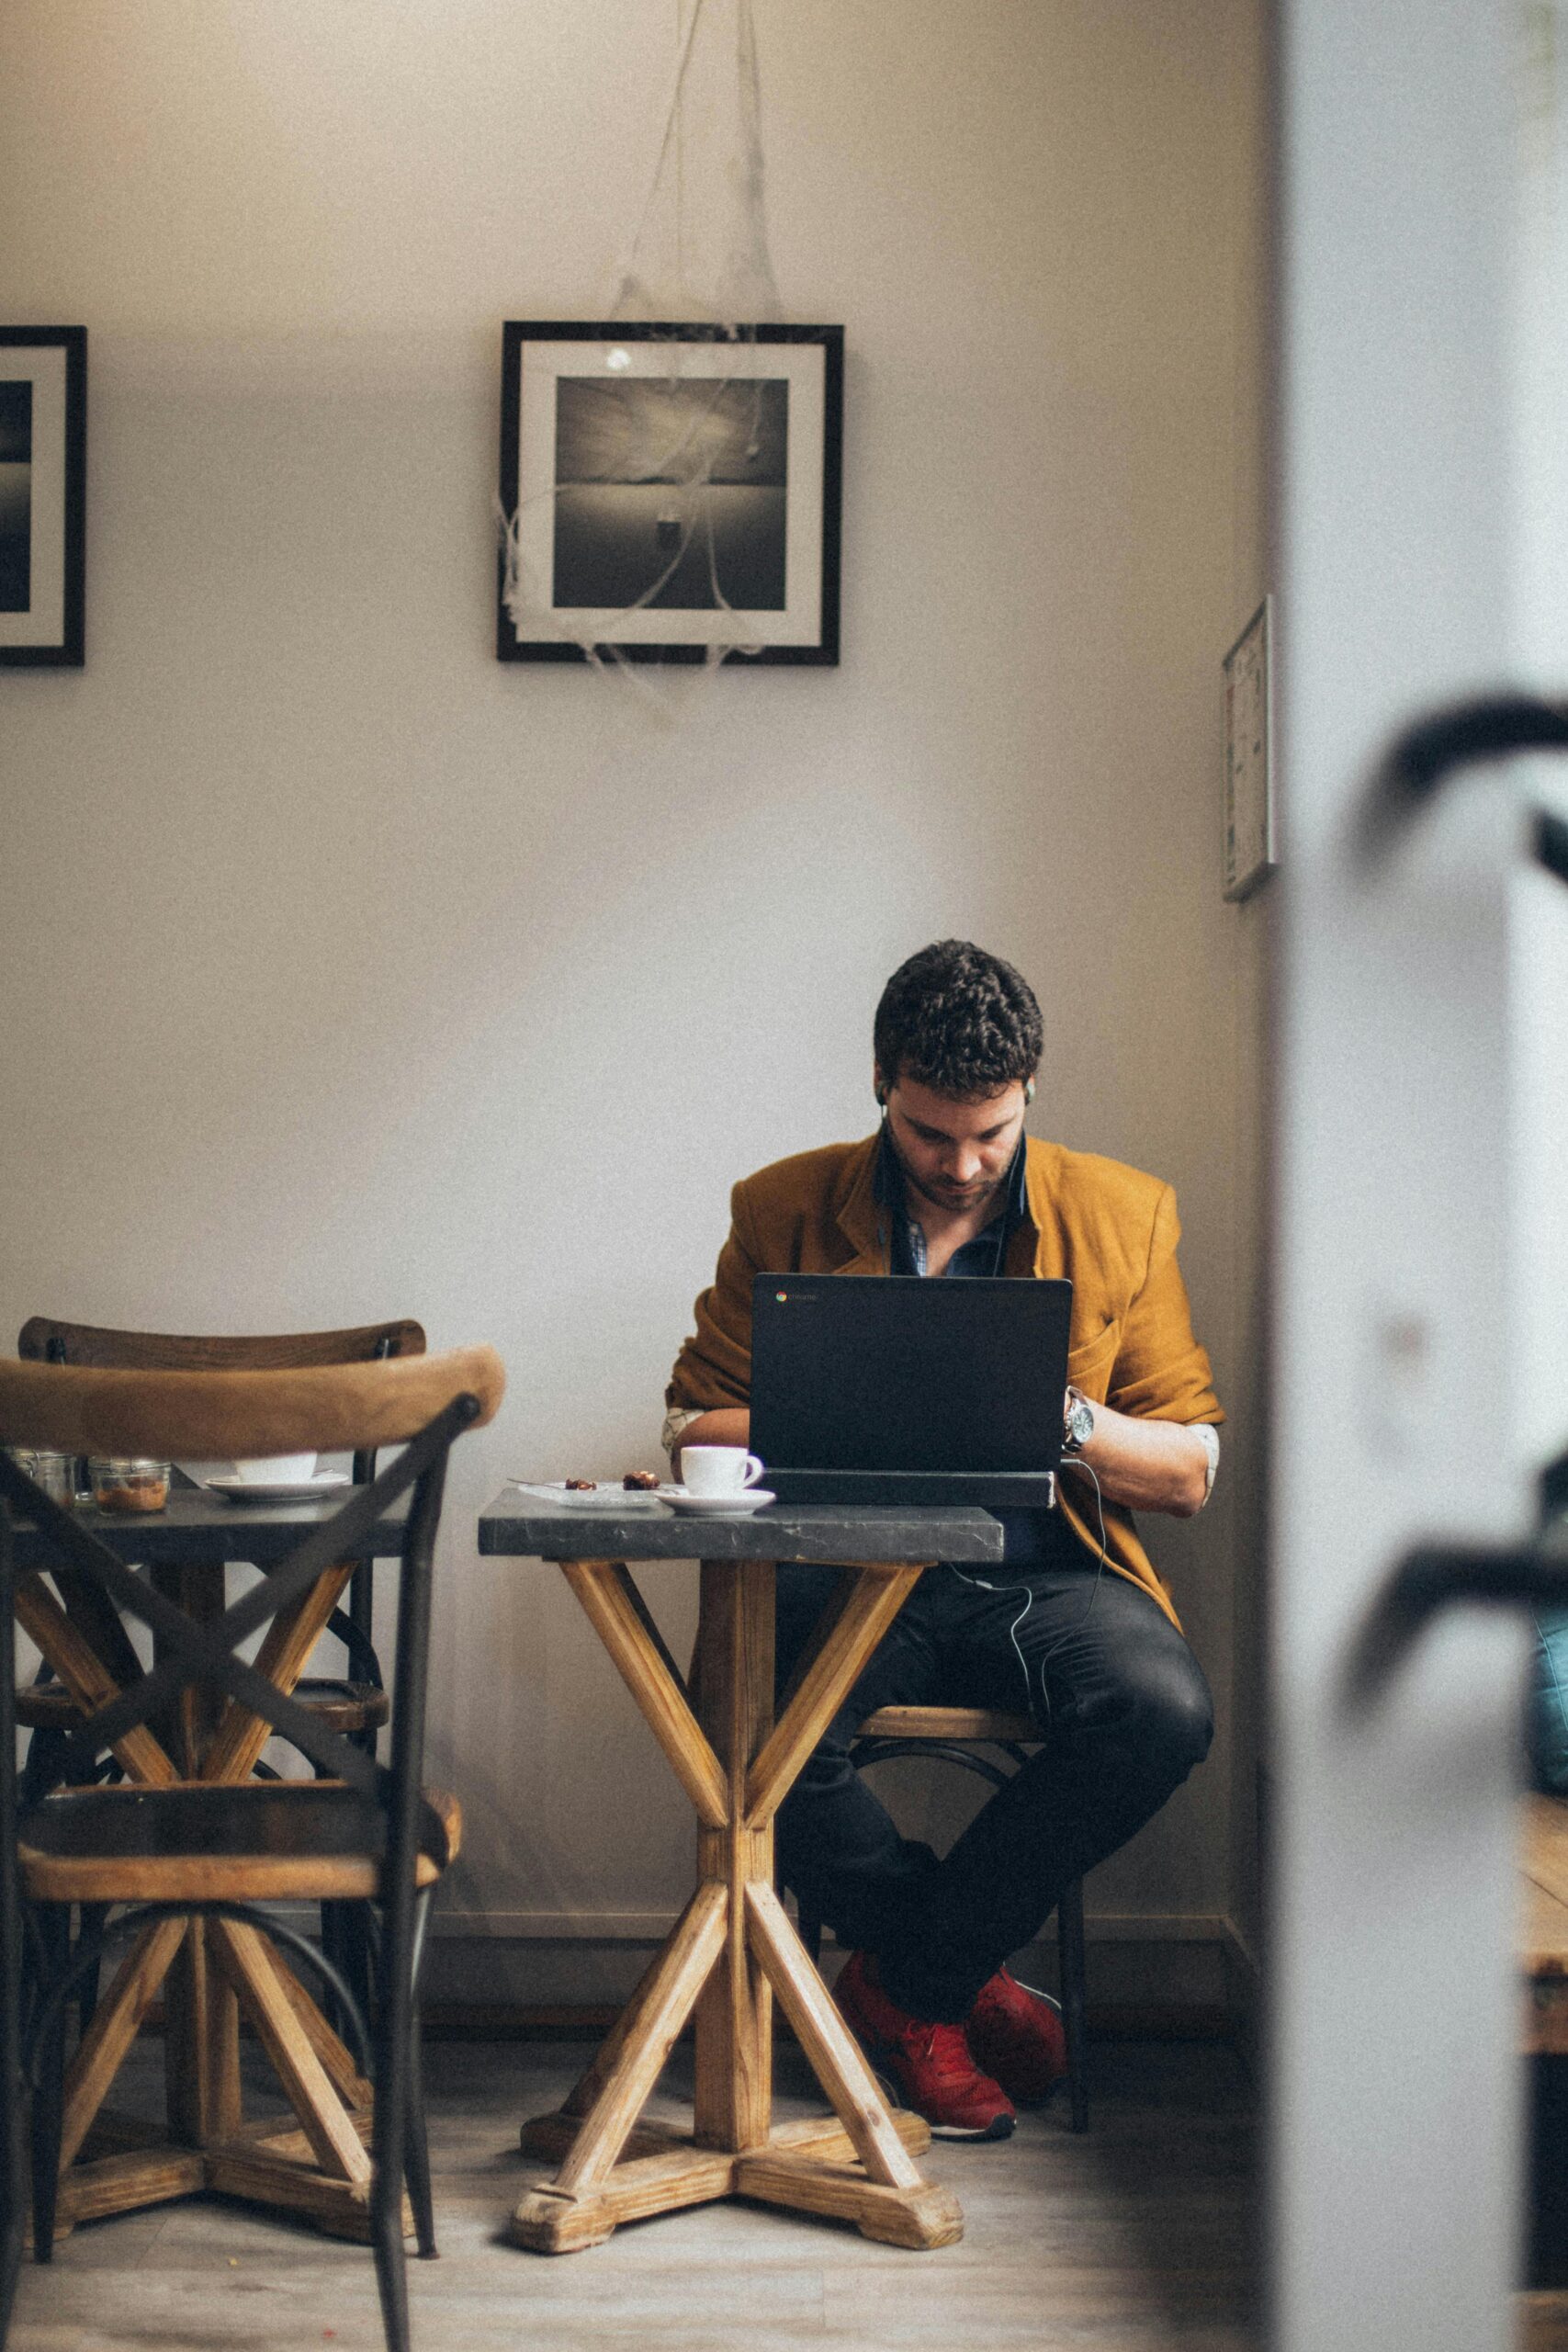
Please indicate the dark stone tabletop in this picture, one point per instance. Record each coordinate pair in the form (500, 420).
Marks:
(523, 1526)
(196, 1525)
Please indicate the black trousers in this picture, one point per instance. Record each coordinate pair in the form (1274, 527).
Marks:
(1125, 1713)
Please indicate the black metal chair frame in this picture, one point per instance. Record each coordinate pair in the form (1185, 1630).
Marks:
(354, 1626)
(344, 1927)
(875, 1750)
(205, 1656)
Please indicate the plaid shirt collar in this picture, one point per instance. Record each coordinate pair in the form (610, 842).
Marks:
(983, 1254)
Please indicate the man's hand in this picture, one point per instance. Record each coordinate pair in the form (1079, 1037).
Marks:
(1148, 1465)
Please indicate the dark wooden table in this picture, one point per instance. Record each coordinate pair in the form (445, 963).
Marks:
(734, 1947)
(207, 1971)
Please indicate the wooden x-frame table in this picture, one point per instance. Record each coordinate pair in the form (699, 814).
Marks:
(208, 1971)
(733, 1948)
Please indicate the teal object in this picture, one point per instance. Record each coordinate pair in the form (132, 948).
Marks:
(1546, 1734)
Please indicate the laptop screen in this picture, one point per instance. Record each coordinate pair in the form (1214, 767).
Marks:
(894, 1373)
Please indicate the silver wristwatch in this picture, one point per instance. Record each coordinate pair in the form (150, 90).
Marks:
(1078, 1423)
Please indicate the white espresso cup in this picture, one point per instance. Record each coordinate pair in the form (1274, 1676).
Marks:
(278, 1470)
(718, 1469)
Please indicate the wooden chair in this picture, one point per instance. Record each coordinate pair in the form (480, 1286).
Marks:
(960, 1735)
(353, 1703)
(221, 1846)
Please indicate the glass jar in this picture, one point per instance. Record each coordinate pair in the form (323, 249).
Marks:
(56, 1474)
(129, 1483)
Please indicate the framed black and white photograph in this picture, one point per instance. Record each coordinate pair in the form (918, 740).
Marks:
(1250, 853)
(671, 493)
(43, 493)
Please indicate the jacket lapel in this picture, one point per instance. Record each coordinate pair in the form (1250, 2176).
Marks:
(1043, 1252)
(1035, 1246)
(861, 1218)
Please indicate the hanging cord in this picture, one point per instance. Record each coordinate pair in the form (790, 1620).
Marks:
(747, 291)
(680, 166)
(979, 1584)
(744, 292)
(628, 283)
(1101, 1564)
(1070, 1632)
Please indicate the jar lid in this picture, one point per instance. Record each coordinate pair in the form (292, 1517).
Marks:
(115, 1466)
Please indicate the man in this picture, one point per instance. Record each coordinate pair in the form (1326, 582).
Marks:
(1077, 1625)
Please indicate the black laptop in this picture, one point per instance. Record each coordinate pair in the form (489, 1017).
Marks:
(895, 1388)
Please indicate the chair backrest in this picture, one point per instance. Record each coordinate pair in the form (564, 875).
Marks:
(217, 1415)
(44, 1339)
(423, 1404)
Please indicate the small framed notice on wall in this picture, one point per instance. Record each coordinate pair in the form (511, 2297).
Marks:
(1249, 850)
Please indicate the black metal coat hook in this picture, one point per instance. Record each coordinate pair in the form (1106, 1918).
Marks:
(1430, 751)
(1435, 1577)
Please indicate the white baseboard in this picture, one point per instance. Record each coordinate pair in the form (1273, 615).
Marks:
(1244, 1996)
(652, 1927)
(1169, 1962)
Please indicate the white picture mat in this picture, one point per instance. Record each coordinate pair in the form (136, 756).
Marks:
(1249, 847)
(804, 366)
(42, 365)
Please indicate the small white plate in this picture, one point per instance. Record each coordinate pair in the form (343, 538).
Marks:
(279, 1490)
(609, 1496)
(719, 1506)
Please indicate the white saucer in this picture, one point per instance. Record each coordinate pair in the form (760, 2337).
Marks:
(719, 1506)
(609, 1497)
(279, 1490)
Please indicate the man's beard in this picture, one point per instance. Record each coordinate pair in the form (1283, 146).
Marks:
(957, 1196)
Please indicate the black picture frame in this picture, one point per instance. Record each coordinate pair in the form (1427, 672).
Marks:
(44, 496)
(623, 537)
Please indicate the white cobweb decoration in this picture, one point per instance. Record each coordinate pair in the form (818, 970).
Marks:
(698, 256)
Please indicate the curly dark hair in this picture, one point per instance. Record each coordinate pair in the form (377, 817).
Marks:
(958, 1020)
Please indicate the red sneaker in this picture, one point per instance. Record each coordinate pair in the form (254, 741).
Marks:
(931, 2064)
(1016, 2034)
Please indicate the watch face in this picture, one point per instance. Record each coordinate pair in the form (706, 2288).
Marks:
(1080, 1424)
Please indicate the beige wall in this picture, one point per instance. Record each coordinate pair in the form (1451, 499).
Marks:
(349, 973)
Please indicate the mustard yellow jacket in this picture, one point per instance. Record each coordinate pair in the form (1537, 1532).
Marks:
(1111, 1230)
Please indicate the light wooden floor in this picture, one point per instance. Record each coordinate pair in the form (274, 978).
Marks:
(1138, 2238)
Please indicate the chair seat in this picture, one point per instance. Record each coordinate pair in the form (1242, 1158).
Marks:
(948, 1734)
(256, 1841)
(948, 1723)
(340, 1705)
